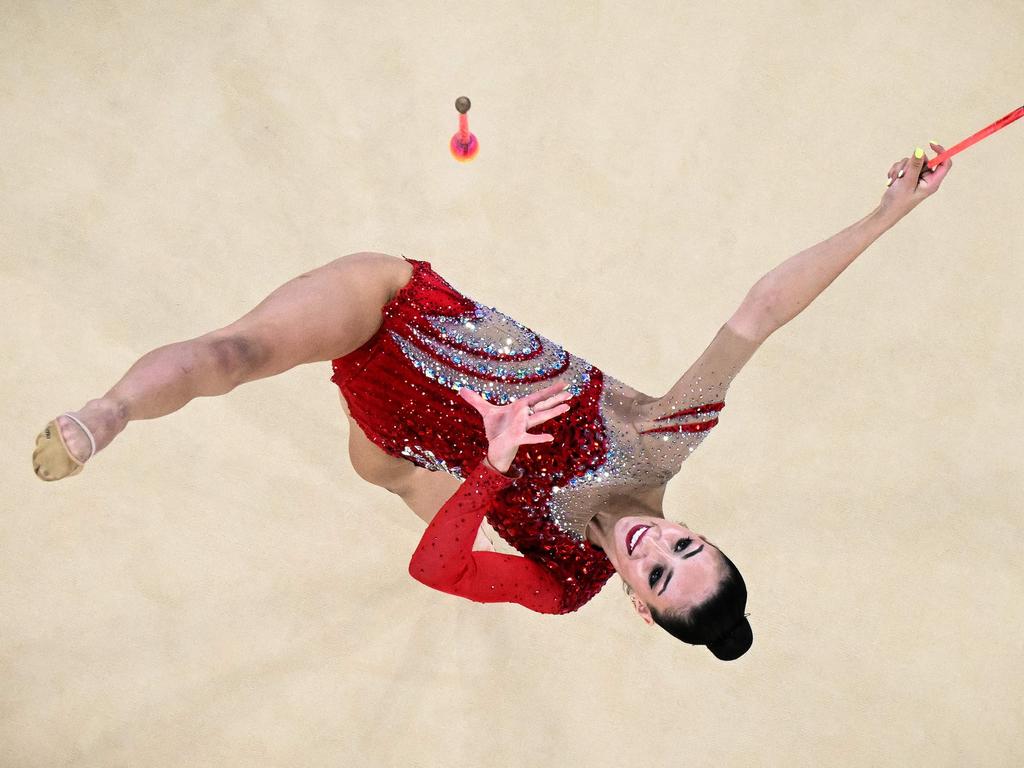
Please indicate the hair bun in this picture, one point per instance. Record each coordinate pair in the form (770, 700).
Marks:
(735, 642)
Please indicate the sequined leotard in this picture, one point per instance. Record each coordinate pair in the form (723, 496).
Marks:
(402, 387)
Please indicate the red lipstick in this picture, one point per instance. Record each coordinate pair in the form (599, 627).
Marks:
(630, 543)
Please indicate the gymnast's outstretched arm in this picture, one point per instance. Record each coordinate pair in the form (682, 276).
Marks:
(784, 292)
(796, 282)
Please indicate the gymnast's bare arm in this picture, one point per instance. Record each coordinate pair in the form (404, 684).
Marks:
(796, 282)
(784, 292)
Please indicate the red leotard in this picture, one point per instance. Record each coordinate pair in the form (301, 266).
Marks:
(401, 388)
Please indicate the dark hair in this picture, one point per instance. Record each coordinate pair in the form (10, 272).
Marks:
(718, 622)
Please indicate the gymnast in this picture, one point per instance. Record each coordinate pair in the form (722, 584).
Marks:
(442, 393)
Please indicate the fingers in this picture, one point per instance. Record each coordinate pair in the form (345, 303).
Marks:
(539, 417)
(928, 179)
(913, 168)
(535, 397)
(939, 149)
(545, 410)
(898, 170)
(938, 173)
(925, 177)
(474, 399)
(551, 401)
(548, 407)
(916, 163)
(542, 399)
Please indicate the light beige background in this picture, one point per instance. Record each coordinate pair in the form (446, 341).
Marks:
(219, 588)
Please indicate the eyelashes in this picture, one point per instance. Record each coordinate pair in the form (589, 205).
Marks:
(655, 575)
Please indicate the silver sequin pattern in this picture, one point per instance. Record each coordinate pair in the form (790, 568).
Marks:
(631, 461)
(627, 465)
(494, 333)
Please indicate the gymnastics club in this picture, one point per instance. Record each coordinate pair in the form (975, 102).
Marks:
(987, 131)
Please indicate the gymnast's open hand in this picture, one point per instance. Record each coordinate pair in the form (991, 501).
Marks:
(506, 425)
(910, 181)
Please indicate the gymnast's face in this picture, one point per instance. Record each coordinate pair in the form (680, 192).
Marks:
(668, 566)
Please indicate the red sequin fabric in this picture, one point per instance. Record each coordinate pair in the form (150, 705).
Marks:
(402, 387)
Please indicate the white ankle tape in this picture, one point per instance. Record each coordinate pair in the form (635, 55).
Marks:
(92, 440)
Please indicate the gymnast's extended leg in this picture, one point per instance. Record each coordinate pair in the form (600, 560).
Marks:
(320, 315)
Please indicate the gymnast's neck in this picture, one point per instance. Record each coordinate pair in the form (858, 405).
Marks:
(640, 504)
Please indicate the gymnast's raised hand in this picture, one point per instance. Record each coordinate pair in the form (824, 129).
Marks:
(910, 181)
(506, 425)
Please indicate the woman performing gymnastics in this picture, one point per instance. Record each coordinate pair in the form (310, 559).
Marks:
(442, 393)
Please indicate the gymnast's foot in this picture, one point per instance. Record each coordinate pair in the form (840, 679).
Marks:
(103, 417)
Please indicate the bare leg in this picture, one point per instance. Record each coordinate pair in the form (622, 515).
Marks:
(158, 383)
(320, 315)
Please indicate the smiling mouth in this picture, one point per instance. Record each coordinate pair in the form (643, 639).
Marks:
(636, 533)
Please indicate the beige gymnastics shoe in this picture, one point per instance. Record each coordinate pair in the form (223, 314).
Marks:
(51, 459)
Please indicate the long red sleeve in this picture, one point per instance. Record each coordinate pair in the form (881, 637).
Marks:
(445, 560)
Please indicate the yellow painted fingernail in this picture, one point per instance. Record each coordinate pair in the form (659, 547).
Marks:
(933, 141)
(918, 153)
